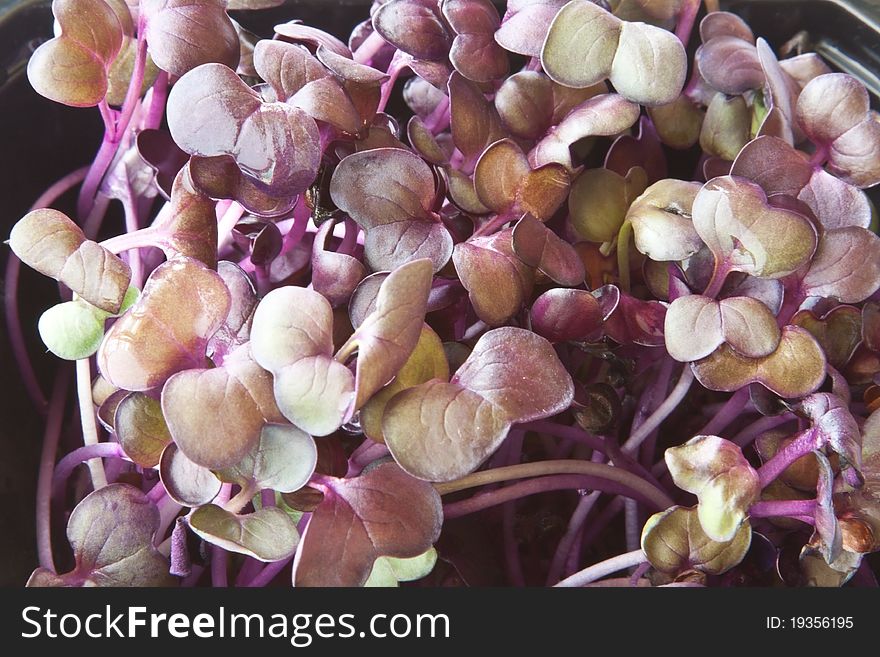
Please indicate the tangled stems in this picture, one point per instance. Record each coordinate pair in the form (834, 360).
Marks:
(47, 459)
(597, 475)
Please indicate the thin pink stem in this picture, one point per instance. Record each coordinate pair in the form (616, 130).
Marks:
(728, 413)
(87, 419)
(805, 443)
(370, 47)
(269, 573)
(789, 508)
(47, 468)
(80, 455)
(686, 18)
(158, 98)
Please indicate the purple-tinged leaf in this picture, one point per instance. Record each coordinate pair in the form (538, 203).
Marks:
(286, 67)
(334, 275)
(236, 328)
(599, 201)
(266, 535)
(723, 23)
(581, 44)
(111, 531)
(211, 112)
(678, 124)
(779, 169)
(240, 391)
(561, 315)
(440, 431)
(474, 52)
(735, 220)
(497, 281)
(184, 34)
(390, 246)
(715, 470)
(48, 241)
(525, 28)
(187, 483)
(795, 369)
(539, 247)
(674, 542)
(846, 266)
(415, 27)
(696, 325)
(644, 151)
(327, 100)
(167, 330)
(601, 116)
(826, 536)
(349, 70)
(634, 321)
(383, 512)
(220, 178)
(730, 64)
(475, 122)
(803, 68)
(73, 67)
(391, 331)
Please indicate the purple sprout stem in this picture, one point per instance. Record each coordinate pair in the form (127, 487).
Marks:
(819, 156)
(349, 238)
(513, 564)
(663, 411)
(788, 508)
(686, 18)
(719, 275)
(267, 574)
(137, 81)
(603, 568)
(132, 224)
(438, 120)
(806, 442)
(759, 426)
(157, 492)
(87, 420)
(398, 63)
(247, 572)
(99, 167)
(51, 436)
(370, 47)
(80, 455)
(158, 98)
(496, 222)
(365, 453)
(575, 524)
(219, 564)
(728, 413)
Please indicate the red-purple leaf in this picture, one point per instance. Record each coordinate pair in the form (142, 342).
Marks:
(539, 247)
(383, 512)
(413, 26)
(561, 315)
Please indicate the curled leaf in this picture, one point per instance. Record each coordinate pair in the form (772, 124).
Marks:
(266, 535)
(725, 484)
(538, 246)
(560, 315)
(187, 483)
(662, 220)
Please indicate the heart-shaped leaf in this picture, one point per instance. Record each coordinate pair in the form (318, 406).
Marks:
(504, 180)
(383, 512)
(474, 52)
(440, 431)
(674, 541)
(48, 241)
(733, 217)
(292, 337)
(167, 329)
(240, 390)
(696, 325)
(73, 67)
(649, 66)
(561, 315)
(283, 460)
(187, 483)
(779, 169)
(183, 34)
(719, 475)
(211, 113)
(111, 532)
(497, 281)
(389, 192)
(662, 220)
(729, 63)
(795, 369)
(266, 535)
(539, 247)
